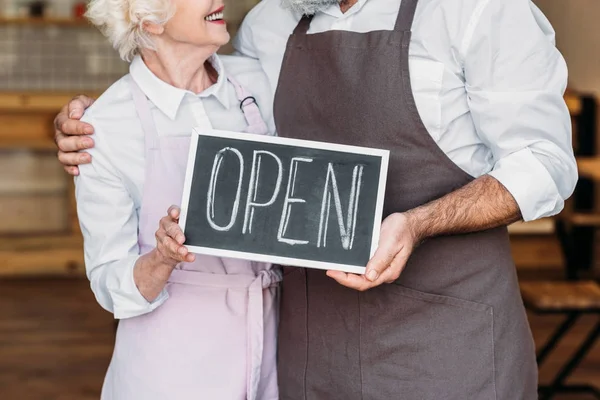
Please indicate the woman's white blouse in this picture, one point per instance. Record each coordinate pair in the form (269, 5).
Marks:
(487, 79)
(109, 190)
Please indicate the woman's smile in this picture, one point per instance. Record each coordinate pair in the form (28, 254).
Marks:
(216, 16)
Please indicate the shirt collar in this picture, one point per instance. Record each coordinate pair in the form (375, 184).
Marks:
(168, 98)
(334, 9)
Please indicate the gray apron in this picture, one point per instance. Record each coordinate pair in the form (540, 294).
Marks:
(453, 327)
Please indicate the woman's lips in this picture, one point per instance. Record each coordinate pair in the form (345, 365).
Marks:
(216, 16)
(218, 10)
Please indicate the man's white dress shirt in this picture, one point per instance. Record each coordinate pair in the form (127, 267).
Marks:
(487, 79)
(109, 190)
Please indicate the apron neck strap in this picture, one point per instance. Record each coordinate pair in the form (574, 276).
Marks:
(142, 108)
(303, 25)
(406, 15)
(256, 123)
(404, 20)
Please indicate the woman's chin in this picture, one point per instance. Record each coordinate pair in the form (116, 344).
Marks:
(215, 39)
(223, 39)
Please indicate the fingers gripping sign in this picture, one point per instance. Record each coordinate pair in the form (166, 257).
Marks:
(170, 239)
(396, 244)
(152, 270)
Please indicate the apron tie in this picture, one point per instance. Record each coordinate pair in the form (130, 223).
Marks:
(265, 279)
(256, 285)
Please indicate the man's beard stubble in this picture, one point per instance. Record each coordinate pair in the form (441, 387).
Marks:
(309, 7)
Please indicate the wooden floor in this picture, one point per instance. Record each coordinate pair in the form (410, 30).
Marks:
(56, 342)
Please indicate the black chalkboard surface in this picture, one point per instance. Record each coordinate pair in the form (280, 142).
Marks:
(285, 201)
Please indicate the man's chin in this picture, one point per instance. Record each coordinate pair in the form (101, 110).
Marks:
(308, 7)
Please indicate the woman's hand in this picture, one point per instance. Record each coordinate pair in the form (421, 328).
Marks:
(170, 239)
(152, 270)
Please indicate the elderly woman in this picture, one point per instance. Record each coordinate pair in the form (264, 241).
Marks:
(192, 326)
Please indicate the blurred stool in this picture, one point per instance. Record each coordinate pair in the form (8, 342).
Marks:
(572, 299)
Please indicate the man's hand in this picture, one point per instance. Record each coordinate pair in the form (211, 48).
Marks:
(152, 270)
(71, 135)
(396, 243)
(482, 204)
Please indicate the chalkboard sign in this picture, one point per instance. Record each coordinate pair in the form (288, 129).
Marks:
(285, 201)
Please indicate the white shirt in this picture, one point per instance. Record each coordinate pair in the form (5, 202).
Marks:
(109, 190)
(487, 79)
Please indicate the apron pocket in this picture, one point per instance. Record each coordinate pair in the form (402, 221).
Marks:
(422, 346)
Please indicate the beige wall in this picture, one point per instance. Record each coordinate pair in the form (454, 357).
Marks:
(235, 10)
(577, 25)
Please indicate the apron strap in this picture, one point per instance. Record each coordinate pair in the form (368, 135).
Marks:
(406, 15)
(142, 107)
(256, 123)
(303, 25)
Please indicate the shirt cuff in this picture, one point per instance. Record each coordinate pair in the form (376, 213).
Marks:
(133, 304)
(530, 183)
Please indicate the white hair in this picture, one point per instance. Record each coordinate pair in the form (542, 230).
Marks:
(122, 22)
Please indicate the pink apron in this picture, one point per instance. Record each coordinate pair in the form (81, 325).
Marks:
(215, 337)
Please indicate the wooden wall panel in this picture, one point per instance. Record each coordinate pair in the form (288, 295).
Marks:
(58, 261)
(39, 233)
(26, 126)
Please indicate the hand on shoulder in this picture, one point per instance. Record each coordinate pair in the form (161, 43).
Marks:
(71, 134)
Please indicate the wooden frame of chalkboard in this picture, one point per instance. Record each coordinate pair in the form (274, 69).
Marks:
(247, 237)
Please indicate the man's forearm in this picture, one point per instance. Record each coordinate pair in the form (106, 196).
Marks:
(482, 204)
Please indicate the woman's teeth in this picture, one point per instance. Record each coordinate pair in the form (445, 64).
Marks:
(215, 17)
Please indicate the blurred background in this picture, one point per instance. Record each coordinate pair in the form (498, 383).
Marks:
(56, 342)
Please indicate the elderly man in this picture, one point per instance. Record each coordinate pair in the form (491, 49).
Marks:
(467, 96)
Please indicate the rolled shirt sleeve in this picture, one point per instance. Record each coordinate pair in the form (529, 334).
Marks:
(515, 82)
(109, 223)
